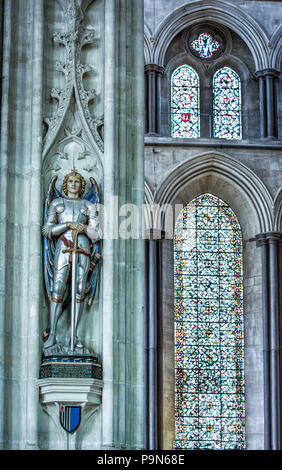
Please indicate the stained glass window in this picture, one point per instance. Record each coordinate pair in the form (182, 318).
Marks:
(209, 342)
(227, 104)
(205, 46)
(185, 109)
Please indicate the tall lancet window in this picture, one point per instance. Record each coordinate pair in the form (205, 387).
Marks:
(209, 341)
(185, 108)
(227, 104)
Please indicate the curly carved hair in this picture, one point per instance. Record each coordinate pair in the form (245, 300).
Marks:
(78, 175)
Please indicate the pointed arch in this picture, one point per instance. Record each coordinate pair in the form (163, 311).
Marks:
(278, 211)
(243, 187)
(220, 13)
(147, 45)
(185, 103)
(227, 120)
(276, 49)
(209, 327)
(226, 178)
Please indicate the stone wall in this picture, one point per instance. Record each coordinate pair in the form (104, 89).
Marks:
(67, 69)
(177, 170)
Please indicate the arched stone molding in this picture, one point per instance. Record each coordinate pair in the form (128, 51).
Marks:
(232, 61)
(220, 13)
(73, 149)
(148, 201)
(206, 72)
(278, 211)
(243, 191)
(148, 194)
(182, 59)
(240, 184)
(275, 45)
(147, 46)
(249, 91)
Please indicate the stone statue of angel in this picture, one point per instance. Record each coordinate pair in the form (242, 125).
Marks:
(71, 233)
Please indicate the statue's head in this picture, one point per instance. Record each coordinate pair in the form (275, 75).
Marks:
(74, 183)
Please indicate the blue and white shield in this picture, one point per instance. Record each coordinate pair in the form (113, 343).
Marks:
(70, 417)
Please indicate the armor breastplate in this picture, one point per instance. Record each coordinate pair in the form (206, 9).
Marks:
(73, 210)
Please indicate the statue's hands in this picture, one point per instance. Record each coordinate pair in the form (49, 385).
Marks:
(76, 226)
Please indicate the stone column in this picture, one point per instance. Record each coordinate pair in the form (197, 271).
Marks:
(153, 345)
(269, 243)
(274, 340)
(153, 74)
(123, 258)
(266, 351)
(152, 320)
(20, 213)
(21, 302)
(1, 46)
(268, 102)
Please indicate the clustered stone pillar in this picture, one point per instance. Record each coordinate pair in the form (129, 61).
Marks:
(268, 102)
(270, 244)
(152, 344)
(153, 74)
(20, 214)
(152, 262)
(123, 258)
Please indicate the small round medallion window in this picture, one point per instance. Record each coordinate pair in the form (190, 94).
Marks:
(205, 46)
(206, 43)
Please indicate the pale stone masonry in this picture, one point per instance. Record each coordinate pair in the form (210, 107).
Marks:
(246, 174)
(75, 77)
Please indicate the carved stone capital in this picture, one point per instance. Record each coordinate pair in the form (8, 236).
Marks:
(267, 73)
(155, 234)
(268, 237)
(154, 68)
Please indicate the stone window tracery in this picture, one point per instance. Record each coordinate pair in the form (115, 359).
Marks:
(185, 103)
(209, 333)
(227, 104)
(205, 45)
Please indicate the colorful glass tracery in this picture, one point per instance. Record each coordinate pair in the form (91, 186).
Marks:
(205, 46)
(209, 342)
(227, 104)
(185, 109)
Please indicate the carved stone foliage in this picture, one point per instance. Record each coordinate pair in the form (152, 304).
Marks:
(73, 98)
(72, 149)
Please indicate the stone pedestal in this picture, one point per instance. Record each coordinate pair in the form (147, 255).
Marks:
(70, 367)
(54, 392)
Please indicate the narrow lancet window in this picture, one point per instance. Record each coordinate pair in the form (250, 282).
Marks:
(227, 104)
(185, 108)
(209, 341)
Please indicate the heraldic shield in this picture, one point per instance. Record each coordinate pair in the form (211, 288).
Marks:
(70, 417)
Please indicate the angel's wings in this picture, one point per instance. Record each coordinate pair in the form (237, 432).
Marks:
(94, 197)
(49, 245)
